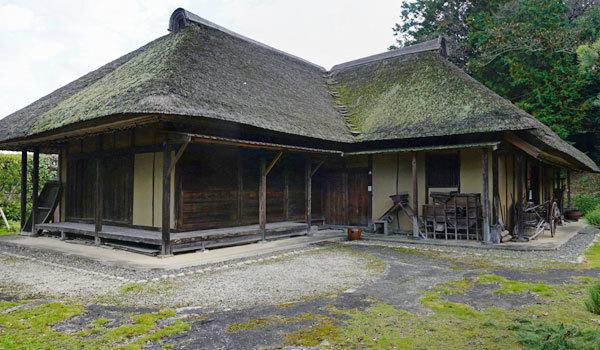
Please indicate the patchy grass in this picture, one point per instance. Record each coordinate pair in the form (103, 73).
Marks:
(31, 328)
(592, 256)
(321, 326)
(14, 227)
(507, 286)
(562, 317)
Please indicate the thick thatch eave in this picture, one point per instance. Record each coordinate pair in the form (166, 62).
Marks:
(199, 72)
(420, 94)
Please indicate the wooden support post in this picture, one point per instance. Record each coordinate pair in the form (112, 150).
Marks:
(519, 200)
(568, 188)
(23, 189)
(495, 189)
(415, 195)
(35, 179)
(99, 190)
(286, 194)
(166, 247)
(240, 189)
(308, 189)
(370, 193)
(486, 196)
(262, 198)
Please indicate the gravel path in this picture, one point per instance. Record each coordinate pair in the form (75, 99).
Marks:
(24, 277)
(273, 281)
(570, 252)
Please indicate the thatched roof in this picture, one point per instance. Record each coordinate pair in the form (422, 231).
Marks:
(201, 70)
(416, 92)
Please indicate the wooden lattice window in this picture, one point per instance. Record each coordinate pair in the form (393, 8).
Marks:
(443, 170)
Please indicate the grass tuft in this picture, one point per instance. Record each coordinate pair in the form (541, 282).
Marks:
(592, 304)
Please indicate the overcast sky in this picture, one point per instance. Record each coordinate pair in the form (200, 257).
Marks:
(47, 44)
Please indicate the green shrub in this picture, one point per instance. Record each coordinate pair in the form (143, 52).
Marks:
(586, 202)
(10, 180)
(593, 302)
(593, 217)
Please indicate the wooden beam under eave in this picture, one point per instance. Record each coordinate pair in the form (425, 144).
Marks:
(273, 162)
(522, 145)
(177, 157)
(314, 171)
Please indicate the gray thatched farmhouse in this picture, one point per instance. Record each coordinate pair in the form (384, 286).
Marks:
(204, 137)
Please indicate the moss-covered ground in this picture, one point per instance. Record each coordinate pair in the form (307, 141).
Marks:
(560, 318)
(32, 328)
(551, 315)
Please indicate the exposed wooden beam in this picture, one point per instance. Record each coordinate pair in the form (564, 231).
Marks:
(35, 179)
(177, 157)
(23, 189)
(273, 162)
(92, 127)
(199, 138)
(314, 171)
(524, 146)
(166, 246)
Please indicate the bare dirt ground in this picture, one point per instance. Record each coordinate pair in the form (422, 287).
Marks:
(341, 296)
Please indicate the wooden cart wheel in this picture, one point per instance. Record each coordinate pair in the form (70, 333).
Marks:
(554, 218)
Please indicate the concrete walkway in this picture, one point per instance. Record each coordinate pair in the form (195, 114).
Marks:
(109, 256)
(563, 234)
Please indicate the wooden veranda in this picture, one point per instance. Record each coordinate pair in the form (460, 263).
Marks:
(222, 223)
(150, 241)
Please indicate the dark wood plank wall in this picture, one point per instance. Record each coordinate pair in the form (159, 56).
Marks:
(358, 197)
(336, 204)
(219, 188)
(117, 194)
(347, 196)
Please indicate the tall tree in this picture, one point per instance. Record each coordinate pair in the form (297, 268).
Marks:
(423, 20)
(526, 53)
